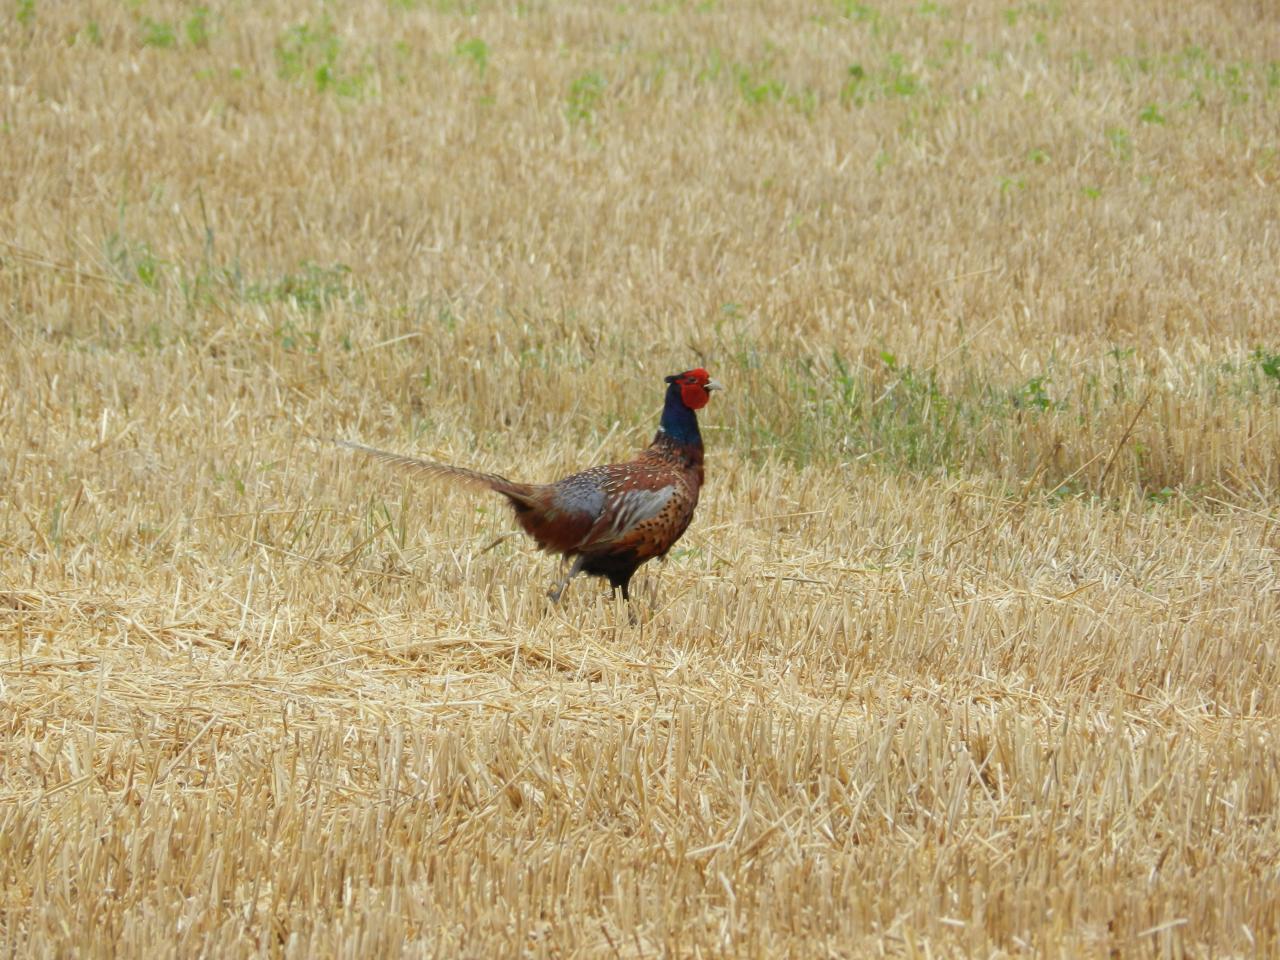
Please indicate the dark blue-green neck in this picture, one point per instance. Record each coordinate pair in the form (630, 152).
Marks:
(679, 423)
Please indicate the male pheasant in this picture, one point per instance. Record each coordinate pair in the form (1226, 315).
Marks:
(613, 518)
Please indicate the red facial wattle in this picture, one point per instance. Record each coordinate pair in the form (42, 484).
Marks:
(693, 388)
(693, 394)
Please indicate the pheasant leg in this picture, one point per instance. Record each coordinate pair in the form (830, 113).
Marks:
(554, 592)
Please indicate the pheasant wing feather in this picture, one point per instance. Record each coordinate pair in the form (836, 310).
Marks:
(642, 510)
(625, 512)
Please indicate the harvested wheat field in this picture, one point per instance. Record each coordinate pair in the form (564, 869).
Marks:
(971, 648)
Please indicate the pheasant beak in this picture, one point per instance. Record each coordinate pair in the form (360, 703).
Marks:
(711, 385)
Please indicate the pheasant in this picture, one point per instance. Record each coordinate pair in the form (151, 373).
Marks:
(613, 518)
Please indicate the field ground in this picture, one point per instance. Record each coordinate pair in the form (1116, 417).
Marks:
(972, 648)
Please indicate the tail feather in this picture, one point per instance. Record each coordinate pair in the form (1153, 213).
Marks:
(519, 492)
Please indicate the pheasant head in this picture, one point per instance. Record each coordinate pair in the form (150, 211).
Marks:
(686, 393)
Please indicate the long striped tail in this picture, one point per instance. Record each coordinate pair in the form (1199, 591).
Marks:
(518, 492)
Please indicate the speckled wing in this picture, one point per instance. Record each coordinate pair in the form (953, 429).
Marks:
(646, 509)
